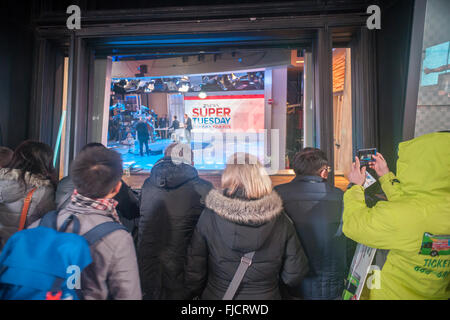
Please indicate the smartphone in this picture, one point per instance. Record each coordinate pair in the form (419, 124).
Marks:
(365, 156)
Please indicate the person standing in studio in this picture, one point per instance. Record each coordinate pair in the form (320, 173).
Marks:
(162, 124)
(187, 127)
(174, 127)
(143, 136)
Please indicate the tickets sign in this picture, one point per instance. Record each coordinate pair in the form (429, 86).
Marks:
(225, 112)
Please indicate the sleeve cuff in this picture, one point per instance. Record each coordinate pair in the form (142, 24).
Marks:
(387, 178)
(356, 192)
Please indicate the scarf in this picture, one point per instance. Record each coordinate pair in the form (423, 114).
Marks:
(108, 206)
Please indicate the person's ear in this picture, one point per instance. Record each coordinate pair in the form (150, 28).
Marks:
(116, 189)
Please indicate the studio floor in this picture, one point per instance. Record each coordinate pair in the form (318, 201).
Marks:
(137, 168)
(207, 154)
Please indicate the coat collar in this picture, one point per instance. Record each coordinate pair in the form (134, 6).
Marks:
(255, 212)
(312, 179)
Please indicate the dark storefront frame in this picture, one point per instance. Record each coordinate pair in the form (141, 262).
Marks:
(288, 28)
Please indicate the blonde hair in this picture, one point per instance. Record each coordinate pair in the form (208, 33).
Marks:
(245, 172)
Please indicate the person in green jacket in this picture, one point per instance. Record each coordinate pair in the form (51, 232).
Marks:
(414, 224)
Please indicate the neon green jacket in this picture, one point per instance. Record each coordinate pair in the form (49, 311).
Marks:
(418, 203)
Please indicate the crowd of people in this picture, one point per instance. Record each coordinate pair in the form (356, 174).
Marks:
(185, 239)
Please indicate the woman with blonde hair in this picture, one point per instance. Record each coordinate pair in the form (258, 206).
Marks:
(243, 222)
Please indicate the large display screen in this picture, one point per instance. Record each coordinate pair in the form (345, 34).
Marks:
(433, 103)
(226, 112)
(227, 123)
(436, 62)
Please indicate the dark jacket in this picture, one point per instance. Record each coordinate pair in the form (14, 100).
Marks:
(162, 122)
(175, 125)
(188, 124)
(142, 131)
(315, 207)
(171, 203)
(230, 227)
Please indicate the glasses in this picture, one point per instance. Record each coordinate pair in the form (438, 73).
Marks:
(328, 168)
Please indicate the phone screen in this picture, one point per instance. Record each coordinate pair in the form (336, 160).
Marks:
(365, 156)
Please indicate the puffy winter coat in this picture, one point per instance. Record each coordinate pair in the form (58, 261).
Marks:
(414, 224)
(12, 196)
(315, 207)
(231, 227)
(170, 207)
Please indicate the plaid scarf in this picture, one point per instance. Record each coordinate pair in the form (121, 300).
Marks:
(106, 205)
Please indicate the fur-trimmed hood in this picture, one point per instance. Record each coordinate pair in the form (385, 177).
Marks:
(30, 179)
(12, 189)
(245, 225)
(253, 212)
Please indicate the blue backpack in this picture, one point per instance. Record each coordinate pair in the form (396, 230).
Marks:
(45, 263)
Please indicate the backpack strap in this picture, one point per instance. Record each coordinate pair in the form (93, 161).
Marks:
(25, 208)
(55, 292)
(102, 230)
(2, 269)
(65, 200)
(76, 224)
(246, 261)
(92, 236)
(49, 220)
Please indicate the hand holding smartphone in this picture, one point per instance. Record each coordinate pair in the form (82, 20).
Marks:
(365, 156)
(379, 164)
